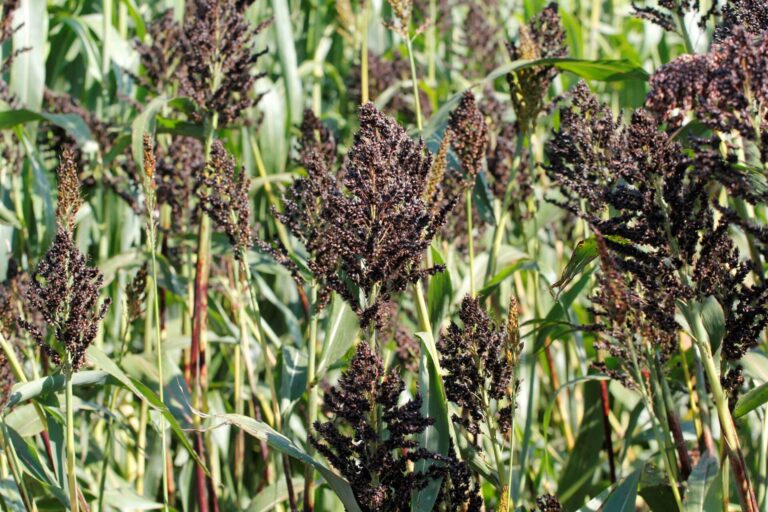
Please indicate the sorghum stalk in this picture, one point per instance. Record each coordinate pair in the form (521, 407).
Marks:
(701, 339)
(659, 404)
(200, 319)
(70, 442)
(673, 420)
(149, 190)
(312, 399)
(416, 101)
(730, 436)
(10, 453)
(240, 354)
(364, 56)
(470, 244)
(18, 372)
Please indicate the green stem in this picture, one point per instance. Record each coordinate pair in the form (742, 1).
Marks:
(470, 244)
(661, 410)
(727, 425)
(654, 423)
(161, 383)
(312, 400)
(364, 94)
(13, 463)
(416, 101)
(70, 419)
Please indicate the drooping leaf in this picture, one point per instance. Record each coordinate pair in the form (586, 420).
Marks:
(624, 498)
(751, 400)
(700, 480)
(284, 445)
(439, 294)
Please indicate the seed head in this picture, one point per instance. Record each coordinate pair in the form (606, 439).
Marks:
(65, 291)
(750, 15)
(544, 37)
(369, 225)
(69, 199)
(377, 458)
(316, 138)
(479, 359)
(218, 56)
(470, 135)
(223, 195)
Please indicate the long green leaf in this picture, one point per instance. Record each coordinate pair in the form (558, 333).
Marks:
(286, 52)
(71, 123)
(751, 400)
(28, 68)
(439, 294)
(103, 361)
(699, 482)
(437, 437)
(284, 445)
(341, 332)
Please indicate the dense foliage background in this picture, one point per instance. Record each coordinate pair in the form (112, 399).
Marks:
(383, 255)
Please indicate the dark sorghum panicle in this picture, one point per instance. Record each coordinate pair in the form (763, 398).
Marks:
(666, 11)
(479, 358)
(469, 135)
(12, 301)
(732, 383)
(726, 88)
(611, 166)
(218, 44)
(223, 195)
(316, 138)
(65, 291)
(376, 463)
(751, 15)
(635, 172)
(481, 36)
(543, 37)
(370, 224)
(210, 58)
(161, 58)
(7, 379)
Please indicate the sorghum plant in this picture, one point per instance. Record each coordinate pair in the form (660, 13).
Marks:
(668, 253)
(371, 440)
(65, 291)
(370, 357)
(370, 224)
(481, 361)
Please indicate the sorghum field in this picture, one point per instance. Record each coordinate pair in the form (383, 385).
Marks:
(384, 255)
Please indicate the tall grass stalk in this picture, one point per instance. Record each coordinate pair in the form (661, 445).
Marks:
(151, 228)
